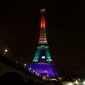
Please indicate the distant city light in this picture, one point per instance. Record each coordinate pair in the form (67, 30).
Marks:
(76, 82)
(44, 77)
(53, 79)
(68, 83)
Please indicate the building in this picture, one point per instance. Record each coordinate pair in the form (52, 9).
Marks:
(42, 64)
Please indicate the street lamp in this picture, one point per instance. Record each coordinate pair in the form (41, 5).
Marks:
(5, 51)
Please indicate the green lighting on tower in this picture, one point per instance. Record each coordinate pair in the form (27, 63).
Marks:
(39, 52)
(48, 56)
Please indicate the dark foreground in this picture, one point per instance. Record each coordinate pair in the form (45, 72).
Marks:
(14, 78)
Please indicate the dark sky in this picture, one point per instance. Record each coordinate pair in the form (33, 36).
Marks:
(19, 32)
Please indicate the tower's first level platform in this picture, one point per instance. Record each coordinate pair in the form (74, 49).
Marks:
(43, 69)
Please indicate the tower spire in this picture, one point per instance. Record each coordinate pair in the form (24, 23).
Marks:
(42, 25)
(42, 38)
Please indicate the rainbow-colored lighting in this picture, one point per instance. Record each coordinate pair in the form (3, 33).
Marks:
(42, 63)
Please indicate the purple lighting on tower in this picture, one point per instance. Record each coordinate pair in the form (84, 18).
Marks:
(44, 68)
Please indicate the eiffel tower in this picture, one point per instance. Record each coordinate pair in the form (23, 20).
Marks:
(42, 64)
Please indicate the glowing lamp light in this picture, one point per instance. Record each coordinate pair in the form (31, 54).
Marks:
(38, 74)
(30, 68)
(70, 83)
(33, 70)
(6, 50)
(76, 82)
(43, 57)
(25, 65)
(84, 82)
(44, 77)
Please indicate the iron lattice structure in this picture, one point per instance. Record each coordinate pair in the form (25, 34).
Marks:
(42, 63)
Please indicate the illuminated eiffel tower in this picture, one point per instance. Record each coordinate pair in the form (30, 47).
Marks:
(42, 63)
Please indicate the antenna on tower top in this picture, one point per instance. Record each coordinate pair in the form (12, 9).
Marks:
(42, 10)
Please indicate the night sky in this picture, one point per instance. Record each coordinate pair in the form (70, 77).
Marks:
(19, 32)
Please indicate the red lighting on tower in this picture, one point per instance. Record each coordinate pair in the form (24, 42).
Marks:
(42, 18)
(42, 38)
